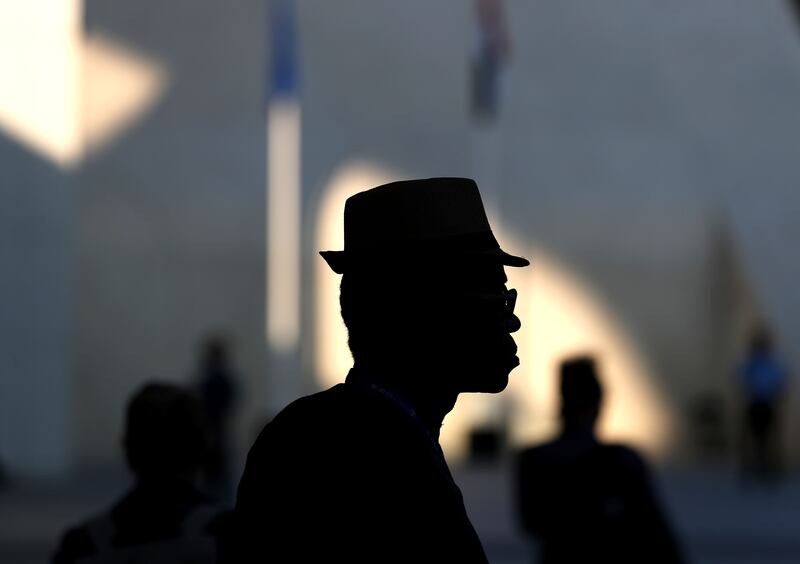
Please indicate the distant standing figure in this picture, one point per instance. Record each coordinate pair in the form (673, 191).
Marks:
(585, 501)
(164, 518)
(491, 51)
(217, 389)
(762, 379)
(3, 476)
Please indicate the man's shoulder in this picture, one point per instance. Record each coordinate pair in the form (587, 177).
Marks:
(312, 402)
(342, 423)
(322, 407)
(336, 414)
(340, 406)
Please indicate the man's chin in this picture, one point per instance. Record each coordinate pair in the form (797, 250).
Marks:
(496, 389)
(492, 381)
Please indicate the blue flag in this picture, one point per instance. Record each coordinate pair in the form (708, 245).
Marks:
(282, 49)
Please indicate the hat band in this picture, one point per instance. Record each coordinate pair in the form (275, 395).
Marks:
(451, 244)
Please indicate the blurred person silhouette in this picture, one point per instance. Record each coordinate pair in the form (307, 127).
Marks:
(3, 476)
(762, 380)
(491, 50)
(164, 518)
(794, 6)
(216, 385)
(355, 473)
(586, 501)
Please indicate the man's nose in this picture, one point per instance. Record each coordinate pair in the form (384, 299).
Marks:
(513, 323)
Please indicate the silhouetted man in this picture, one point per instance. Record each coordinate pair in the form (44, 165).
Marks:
(356, 473)
(586, 501)
(164, 518)
(762, 378)
(217, 388)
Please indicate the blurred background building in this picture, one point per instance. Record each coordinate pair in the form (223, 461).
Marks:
(170, 170)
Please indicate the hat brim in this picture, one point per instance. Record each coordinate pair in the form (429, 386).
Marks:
(341, 261)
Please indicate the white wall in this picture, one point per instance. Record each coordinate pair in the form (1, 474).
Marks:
(170, 213)
(629, 129)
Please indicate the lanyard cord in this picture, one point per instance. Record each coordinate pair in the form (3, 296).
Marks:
(408, 409)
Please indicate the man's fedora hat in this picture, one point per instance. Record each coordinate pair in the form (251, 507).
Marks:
(435, 218)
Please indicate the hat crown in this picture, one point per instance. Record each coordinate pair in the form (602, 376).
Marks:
(410, 212)
(428, 219)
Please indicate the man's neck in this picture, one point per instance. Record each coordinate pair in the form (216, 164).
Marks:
(413, 387)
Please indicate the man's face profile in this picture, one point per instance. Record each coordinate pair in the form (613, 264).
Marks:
(424, 289)
(477, 349)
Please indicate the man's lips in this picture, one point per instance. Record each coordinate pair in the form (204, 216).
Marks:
(512, 345)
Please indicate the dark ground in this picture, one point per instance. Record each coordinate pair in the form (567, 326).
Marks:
(718, 521)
